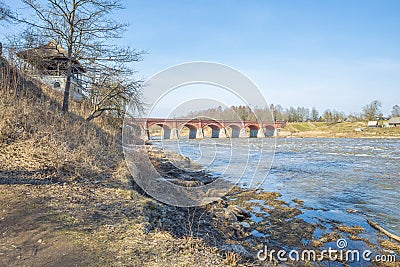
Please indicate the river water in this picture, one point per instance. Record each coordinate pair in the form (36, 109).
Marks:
(331, 176)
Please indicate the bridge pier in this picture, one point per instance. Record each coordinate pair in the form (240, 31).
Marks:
(219, 129)
(260, 133)
(145, 135)
(242, 133)
(199, 133)
(222, 133)
(174, 134)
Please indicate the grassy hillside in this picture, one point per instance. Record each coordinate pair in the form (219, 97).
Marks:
(344, 129)
(66, 196)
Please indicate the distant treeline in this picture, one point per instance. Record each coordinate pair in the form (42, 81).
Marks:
(371, 111)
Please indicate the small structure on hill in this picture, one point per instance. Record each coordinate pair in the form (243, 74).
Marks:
(49, 64)
(394, 122)
(372, 124)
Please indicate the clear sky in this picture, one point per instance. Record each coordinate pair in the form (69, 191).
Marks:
(338, 54)
(328, 54)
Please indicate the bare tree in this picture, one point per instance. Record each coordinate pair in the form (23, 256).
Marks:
(328, 116)
(5, 11)
(112, 92)
(396, 111)
(86, 29)
(314, 114)
(372, 110)
(303, 114)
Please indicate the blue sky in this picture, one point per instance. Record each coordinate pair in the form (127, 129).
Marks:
(327, 54)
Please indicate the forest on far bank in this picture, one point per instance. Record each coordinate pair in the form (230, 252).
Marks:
(371, 111)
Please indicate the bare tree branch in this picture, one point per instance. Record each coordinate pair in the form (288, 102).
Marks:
(86, 28)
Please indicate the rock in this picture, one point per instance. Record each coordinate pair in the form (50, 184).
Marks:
(245, 224)
(240, 212)
(173, 173)
(226, 214)
(185, 182)
(351, 211)
(237, 248)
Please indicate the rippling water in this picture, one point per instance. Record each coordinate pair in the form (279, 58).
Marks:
(330, 175)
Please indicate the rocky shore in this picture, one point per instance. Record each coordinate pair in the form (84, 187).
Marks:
(244, 222)
(49, 219)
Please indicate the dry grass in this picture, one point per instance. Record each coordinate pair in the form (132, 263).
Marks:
(66, 196)
(232, 259)
(350, 229)
(35, 135)
(390, 245)
(344, 129)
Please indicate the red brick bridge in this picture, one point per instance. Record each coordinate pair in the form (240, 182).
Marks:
(220, 128)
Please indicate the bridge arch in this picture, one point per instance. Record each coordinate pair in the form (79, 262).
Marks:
(216, 130)
(160, 123)
(193, 130)
(234, 130)
(254, 130)
(159, 131)
(269, 130)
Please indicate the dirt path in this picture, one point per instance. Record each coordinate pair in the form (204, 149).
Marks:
(28, 237)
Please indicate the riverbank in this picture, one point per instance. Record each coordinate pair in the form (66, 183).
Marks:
(337, 130)
(74, 222)
(282, 224)
(106, 223)
(66, 196)
(67, 199)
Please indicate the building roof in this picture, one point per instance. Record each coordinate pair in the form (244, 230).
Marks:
(47, 55)
(394, 120)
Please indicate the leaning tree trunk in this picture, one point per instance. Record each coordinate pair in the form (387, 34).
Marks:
(69, 63)
(67, 88)
(69, 76)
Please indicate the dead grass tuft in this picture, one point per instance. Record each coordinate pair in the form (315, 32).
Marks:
(232, 259)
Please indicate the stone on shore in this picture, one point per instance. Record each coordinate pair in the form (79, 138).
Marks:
(236, 248)
(185, 183)
(240, 212)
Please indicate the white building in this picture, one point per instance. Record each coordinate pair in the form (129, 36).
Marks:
(49, 64)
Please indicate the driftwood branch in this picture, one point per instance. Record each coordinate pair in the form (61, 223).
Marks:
(379, 228)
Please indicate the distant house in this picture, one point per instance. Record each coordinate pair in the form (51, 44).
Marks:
(395, 122)
(372, 124)
(49, 64)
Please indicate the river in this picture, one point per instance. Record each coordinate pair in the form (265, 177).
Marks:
(331, 176)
